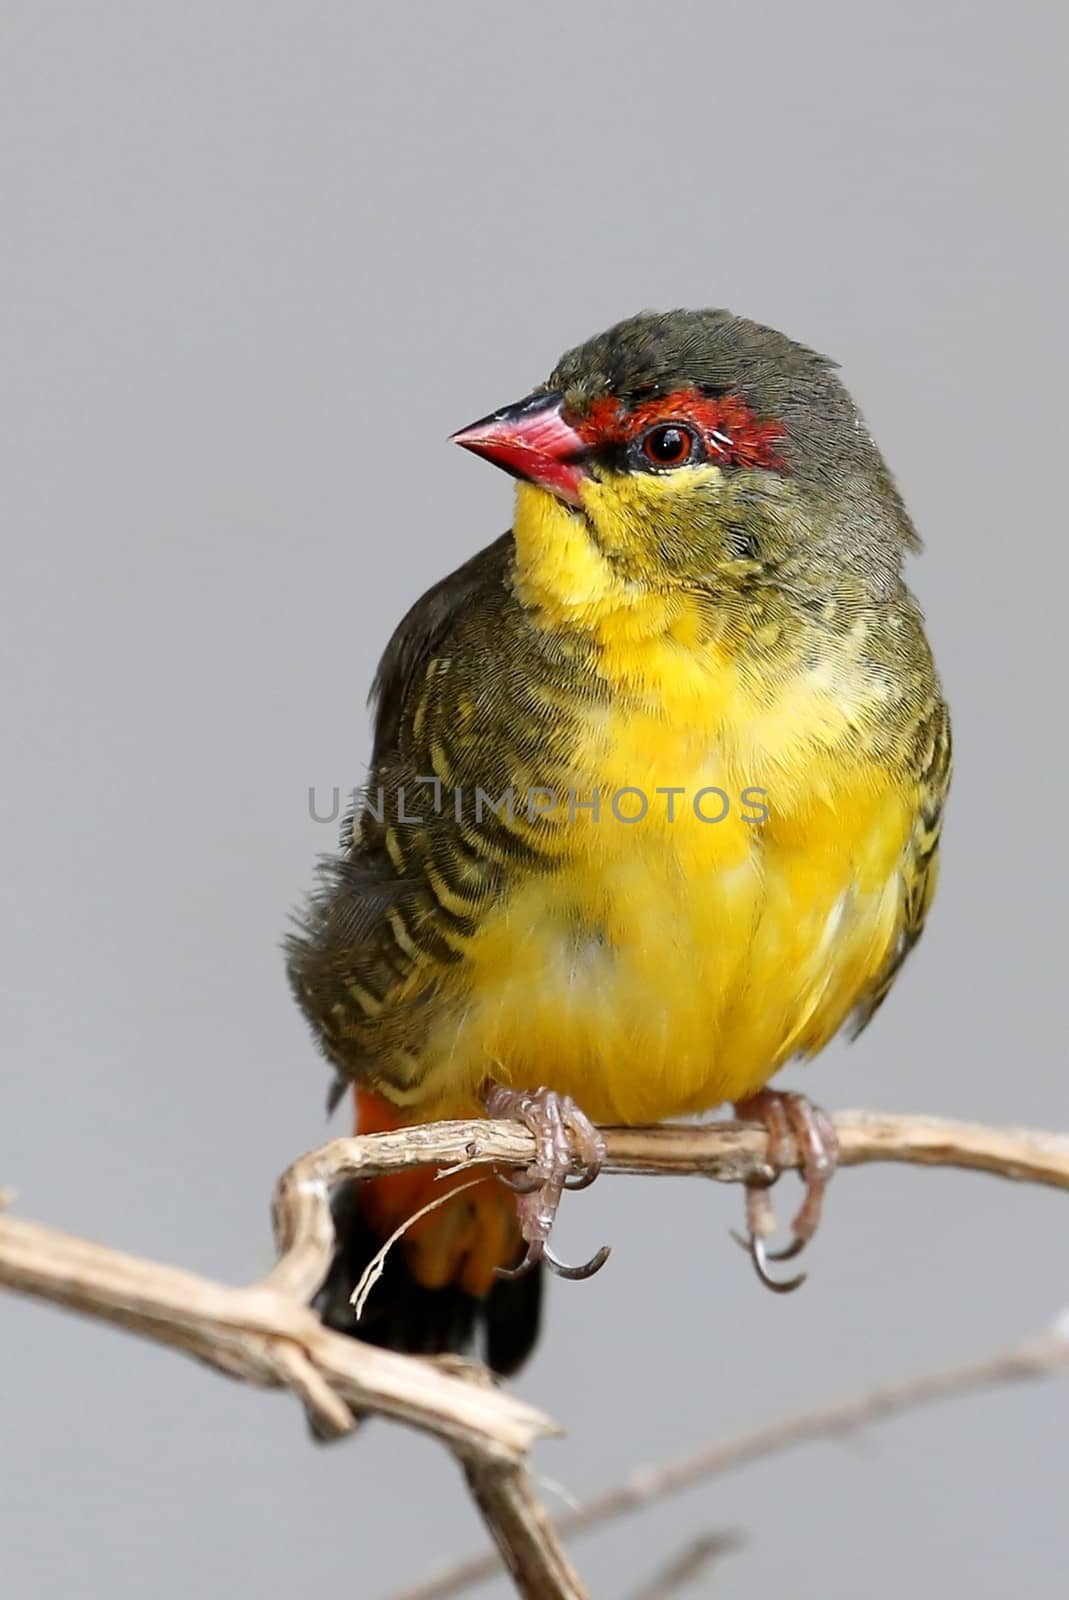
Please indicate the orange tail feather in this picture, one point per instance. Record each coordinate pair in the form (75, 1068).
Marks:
(439, 1289)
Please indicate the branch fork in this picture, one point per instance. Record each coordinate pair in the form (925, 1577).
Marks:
(266, 1334)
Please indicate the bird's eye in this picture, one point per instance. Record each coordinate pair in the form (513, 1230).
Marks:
(669, 445)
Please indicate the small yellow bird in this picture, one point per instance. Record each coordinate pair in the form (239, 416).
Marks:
(654, 804)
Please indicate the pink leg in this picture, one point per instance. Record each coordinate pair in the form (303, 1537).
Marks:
(569, 1151)
(788, 1118)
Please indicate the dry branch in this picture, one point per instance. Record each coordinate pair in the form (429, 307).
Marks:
(263, 1337)
(1040, 1357)
(266, 1334)
(730, 1152)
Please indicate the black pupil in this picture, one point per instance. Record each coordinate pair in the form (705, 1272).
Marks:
(668, 444)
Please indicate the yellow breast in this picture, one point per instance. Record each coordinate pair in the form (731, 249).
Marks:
(737, 890)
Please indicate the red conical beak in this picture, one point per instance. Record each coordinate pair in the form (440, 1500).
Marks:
(532, 441)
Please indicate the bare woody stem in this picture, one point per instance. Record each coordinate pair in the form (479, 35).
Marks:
(727, 1151)
(266, 1334)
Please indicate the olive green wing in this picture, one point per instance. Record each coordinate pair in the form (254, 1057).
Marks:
(932, 765)
(420, 632)
(352, 952)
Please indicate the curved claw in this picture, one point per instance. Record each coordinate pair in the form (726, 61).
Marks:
(788, 1252)
(755, 1249)
(530, 1260)
(595, 1264)
(521, 1181)
(576, 1181)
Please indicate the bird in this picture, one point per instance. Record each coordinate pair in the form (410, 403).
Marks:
(653, 808)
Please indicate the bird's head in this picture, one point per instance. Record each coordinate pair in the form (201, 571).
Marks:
(695, 448)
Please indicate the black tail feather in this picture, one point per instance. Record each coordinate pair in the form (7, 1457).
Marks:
(401, 1314)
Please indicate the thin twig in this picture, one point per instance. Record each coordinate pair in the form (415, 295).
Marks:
(1039, 1357)
(691, 1563)
(377, 1265)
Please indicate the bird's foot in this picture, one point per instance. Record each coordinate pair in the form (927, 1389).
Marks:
(569, 1152)
(788, 1119)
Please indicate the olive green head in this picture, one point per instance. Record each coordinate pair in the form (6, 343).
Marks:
(701, 448)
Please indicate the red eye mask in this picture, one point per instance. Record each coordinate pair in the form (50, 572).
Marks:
(731, 433)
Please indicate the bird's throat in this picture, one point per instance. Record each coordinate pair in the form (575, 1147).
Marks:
(566, 580)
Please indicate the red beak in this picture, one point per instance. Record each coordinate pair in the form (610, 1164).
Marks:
(532, 441)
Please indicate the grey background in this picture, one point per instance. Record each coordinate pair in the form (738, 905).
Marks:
(259, 260)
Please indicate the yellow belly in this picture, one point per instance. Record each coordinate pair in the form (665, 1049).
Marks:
(668, 966)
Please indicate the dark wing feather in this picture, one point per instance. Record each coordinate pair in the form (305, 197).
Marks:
(418, 635)
(934, 767)
(340, 959)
